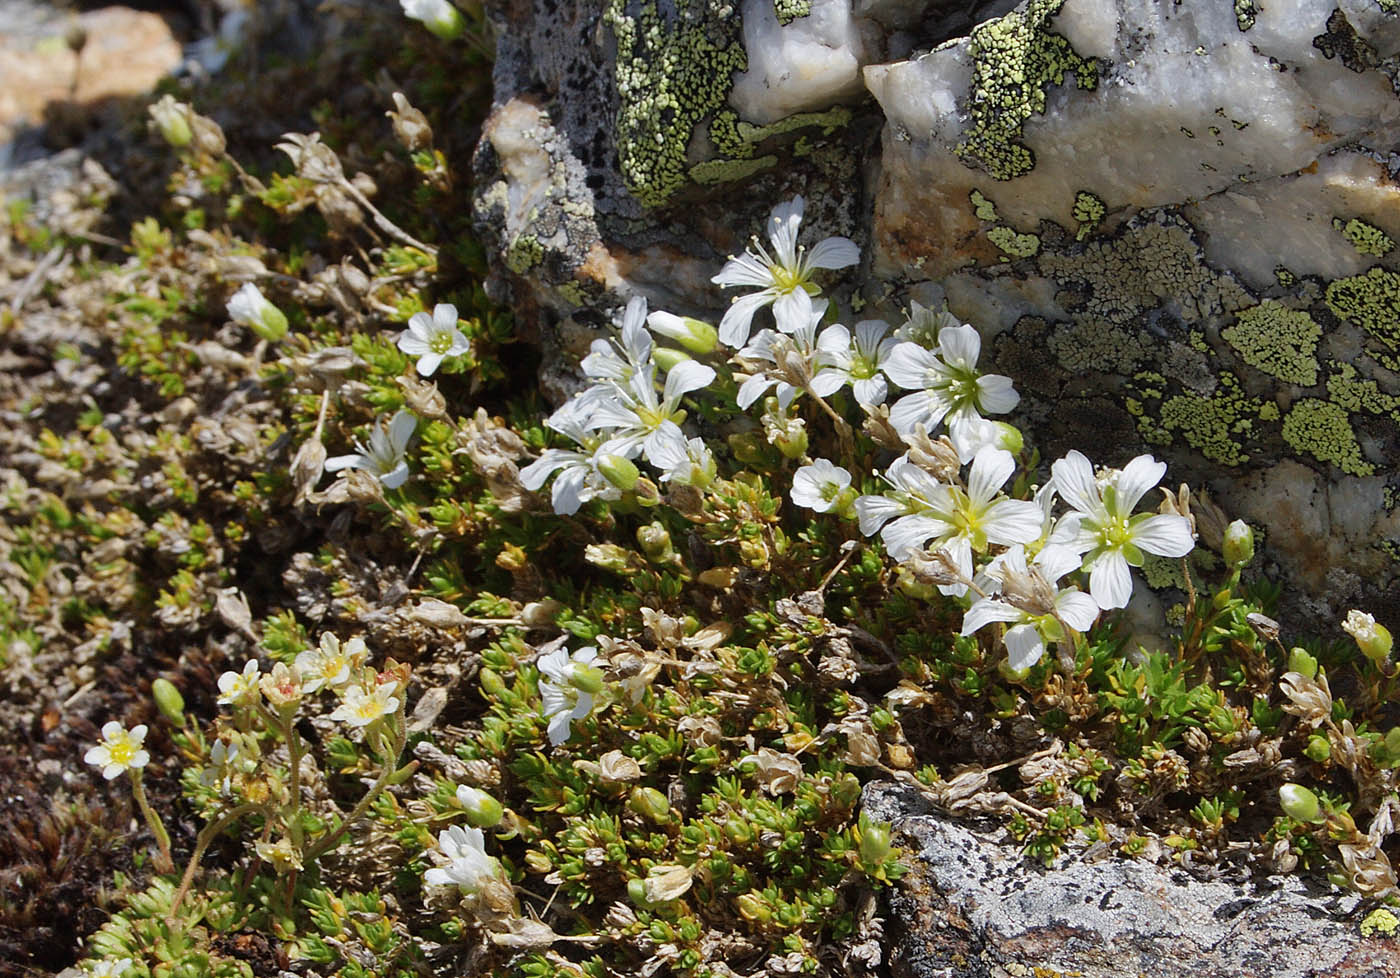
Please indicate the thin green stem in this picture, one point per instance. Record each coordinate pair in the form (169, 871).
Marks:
(201, 843)
(391, 758)
(164, 862)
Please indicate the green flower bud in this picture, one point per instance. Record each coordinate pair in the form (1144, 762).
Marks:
(650, 804)
(1009, 437)
(250, 308)
(619, 471)
(695, 335)
(586, 678)
(169, 701)
(874, 841)
(1371, 637)
(667, 357)
(1299, 803)
(1238, 544)
(656, 542)
(438, 16)
(1318, 748)
(608, 556)
(1301, 662)
(482, 810)
(637, 891)
(172, 121)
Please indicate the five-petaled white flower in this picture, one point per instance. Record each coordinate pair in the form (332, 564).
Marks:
(620, 358)
(567, 686)
(947, 385)
(1042, 610)
(783, 278)
(240, 688)
(684, 461)
(818, 485)
(856, 360)
(329, 665)
(468, 866)
(361, 707)
(957, 520)
(1103, 529)
(120, 750)
(639, 420)
(383, 457)
(793, 353)
(433, 338)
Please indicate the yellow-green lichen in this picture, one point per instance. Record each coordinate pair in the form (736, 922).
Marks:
(1372, 301)
(524, 253)
(1014, 243)
(1015, 59)
(1284, 277)
(672, 71)
(1365, 238)
(1215, 425)
(737, 139)
(1348, 391)
(1323, 430)
(1380, 922)
(728, 171)
(789, 10)
(1277, 340)
(1088, 211)
(983, 208)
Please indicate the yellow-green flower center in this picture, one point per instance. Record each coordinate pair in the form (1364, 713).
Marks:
(440, 343)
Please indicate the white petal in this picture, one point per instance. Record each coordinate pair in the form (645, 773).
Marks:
(990, 470)
(910, 366)
(752, 389)
(401, 428)
(745, 269)
(875, 511)
(445, 317)
(908, 533)
(792, 311)
(960, 346)
(1164, 535)
(871, 391)
(687, 376)
(567, 495)
(734, 327)
(869, 334)
(783, 224)
(1137, 477)
(395, 477)
(338, 462)
(915, 409)
(1011, 521)
(1057, 561)
(537, 473)
(986, 611)
(1074, 480)
(558, 728)
(828, 382)
(1076, 609)
(833, 252)
(995, 395)
(835, 339)
(1110, 582)
(412, 345)
(1024, 646)
(428, 364)
(420, 325)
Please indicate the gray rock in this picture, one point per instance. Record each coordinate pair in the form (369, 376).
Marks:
(974, 908)
(1174, 224)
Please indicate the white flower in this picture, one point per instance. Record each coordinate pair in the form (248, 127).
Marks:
(639, 421)
(468, 866)
(438, 16)
(947, 385)
(248, 307)
(923, 325)
(620, 359)
(793, 354)
(109, 968)
(695, 335)
(240, 688)
(172, 119)
(579, 479)
(783, 278)
(1102, 526)
(433, 338)
(329, 666)
(686, 462)
(816, 486)
(362, 707)
(567, 687)
(856, 360)
(1050, 609)
(957, 520)
(383, 457)
(223, 762)
(120, 750)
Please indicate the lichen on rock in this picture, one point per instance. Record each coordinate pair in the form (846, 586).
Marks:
(1277, 340)
(1323, 430)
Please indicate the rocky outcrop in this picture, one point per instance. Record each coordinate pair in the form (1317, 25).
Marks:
(973, 908)
(1174, 224)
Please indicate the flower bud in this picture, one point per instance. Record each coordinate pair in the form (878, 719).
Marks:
(249, 307)
(208, 137)
(1009, 437)
(656, 543)
(482, 810)
(540, 614)
(620, 472)
(169, 701)
(172, 121)
(874, 841)
(650, 804)
(753, 907)
(1372, 638)
(608, 556)
(438, 16)
(637, 891)
(1299, 803)
(695, 335)
(411, 126)
(1318, 748)
(667, 357)
(1238, 544)
(586, 678)
(792, 443)
(1300, 661)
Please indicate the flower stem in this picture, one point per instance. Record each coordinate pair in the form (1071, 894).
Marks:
(201, 843)
(164, 863)
(331, 839)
